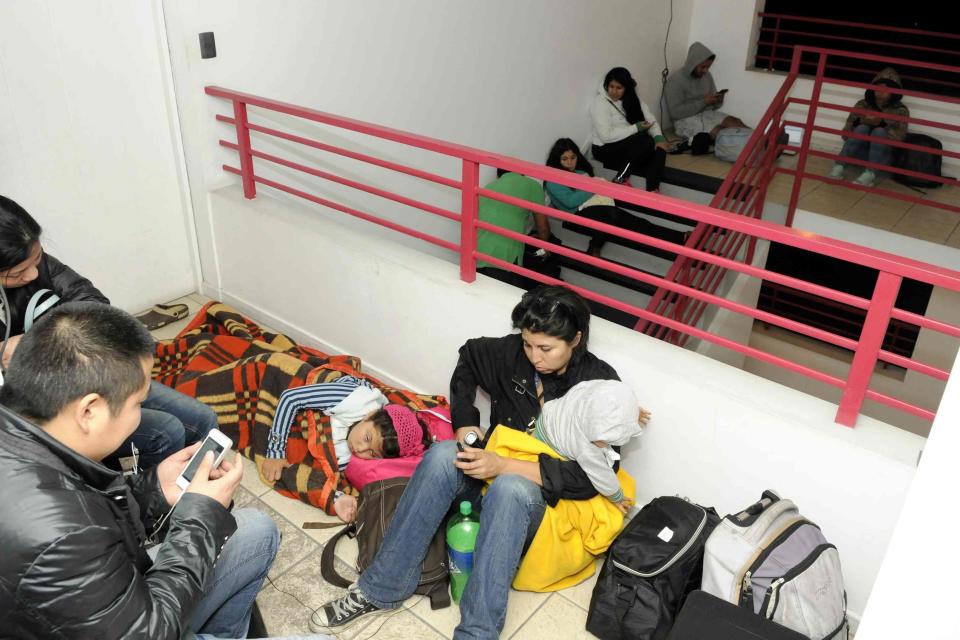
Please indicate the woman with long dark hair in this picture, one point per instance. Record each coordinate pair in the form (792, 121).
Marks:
(625, 130)
(519, 372)
(566, 156)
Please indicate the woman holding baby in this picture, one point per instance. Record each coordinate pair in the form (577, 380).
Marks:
(522, 373)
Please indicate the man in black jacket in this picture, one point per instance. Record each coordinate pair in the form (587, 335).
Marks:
(75, 535)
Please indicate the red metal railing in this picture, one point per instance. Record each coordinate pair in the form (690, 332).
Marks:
(716, 233)
(802, 31)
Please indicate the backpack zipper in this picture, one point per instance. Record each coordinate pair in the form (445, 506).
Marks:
(771, 599)
(676, 556)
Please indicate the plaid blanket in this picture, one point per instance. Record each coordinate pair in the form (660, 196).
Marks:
(228, 362)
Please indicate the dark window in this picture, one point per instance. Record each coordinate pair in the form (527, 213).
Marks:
(831, 316)
(939, 44)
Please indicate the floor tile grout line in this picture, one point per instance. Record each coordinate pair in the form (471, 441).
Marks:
(532, 613)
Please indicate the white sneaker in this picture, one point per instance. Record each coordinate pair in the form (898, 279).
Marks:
(837, 172)
(867, 178)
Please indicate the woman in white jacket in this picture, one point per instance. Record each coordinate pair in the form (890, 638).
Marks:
(625, 130)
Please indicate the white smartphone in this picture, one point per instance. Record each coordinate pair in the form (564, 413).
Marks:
(216, 442)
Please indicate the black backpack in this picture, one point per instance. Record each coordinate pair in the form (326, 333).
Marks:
(928, 163)
(378, 502)
(650, 568)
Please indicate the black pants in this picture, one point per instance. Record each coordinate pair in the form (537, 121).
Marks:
(620, 218)
(511, 278)
(640, 151)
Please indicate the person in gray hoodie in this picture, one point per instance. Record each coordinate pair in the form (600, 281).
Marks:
(693, 101)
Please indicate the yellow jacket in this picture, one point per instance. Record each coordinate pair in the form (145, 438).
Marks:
(571, 534)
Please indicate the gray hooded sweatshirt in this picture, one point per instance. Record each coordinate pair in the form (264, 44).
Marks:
(606, 410)
(684, 93)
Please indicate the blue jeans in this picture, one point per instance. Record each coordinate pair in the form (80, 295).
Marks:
(510, 515)
(224, 611)
(169, 421)
(865, 150)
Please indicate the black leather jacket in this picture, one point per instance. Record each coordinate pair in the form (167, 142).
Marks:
(72, 562)
(53, 275)
(501, 368)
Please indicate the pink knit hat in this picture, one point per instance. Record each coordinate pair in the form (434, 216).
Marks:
(409, 432)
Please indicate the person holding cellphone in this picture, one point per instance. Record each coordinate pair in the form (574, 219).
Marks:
(625, 130)
(77, 559)
(519, 372)
(693, 102)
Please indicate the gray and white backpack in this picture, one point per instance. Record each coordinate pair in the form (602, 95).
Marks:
(770, 559)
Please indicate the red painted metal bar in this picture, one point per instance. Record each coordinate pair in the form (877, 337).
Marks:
(388, 195)
(926, 323)
(906, 407)
(865, 357)
(243, 142)
(673, 324)
(805, 143)
(867, 72)
(386, 164)
(894, 45)
(913, 365)
(349, 210)
(863, 25)
(899, 144)
(469, 205)
(933, 124)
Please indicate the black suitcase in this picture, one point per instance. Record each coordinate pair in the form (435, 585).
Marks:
(707, 617)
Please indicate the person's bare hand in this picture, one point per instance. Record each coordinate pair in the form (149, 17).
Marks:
(206, 483)
(480, 463)
(872, 121)
(271, 468)
(169, 470)
(12, 343)
(463, 431)
(666, 146)
(346, 508)
(644, 416)
(712, 98)
(624, 505)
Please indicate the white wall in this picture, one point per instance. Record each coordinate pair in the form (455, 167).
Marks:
(88, 143)
(508, 77)
(727, 28)
(915, 594)
(719, 435)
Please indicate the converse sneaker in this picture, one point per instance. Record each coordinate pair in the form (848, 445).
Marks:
(343, 610)
(867, 178)
(837, 172)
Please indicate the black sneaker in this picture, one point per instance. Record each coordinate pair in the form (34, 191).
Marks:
(344, 610)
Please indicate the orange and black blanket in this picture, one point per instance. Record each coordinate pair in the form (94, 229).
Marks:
(229, 363)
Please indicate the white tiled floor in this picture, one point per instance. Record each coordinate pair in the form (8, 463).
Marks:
(296, 571)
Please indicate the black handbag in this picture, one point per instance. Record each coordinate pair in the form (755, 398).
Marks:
(651, 567)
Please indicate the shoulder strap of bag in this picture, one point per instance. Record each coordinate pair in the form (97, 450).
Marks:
(328, 559)
(35, 310)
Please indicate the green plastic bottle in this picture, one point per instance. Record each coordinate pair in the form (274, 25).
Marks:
(462, 532)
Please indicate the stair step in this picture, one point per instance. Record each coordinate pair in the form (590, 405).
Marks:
(609, 276)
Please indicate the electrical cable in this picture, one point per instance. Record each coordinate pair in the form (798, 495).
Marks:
(666, 65)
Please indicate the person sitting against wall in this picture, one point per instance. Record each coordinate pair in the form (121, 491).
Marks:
(566, 156)
(87, 552)
(625, 130)
(514, 218)
(694, 103)
(520, 372)
(887, 102)
(34, 282)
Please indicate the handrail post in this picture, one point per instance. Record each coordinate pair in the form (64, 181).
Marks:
(868, 347)
(243, 142)
(807, 134)
(469, 184)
